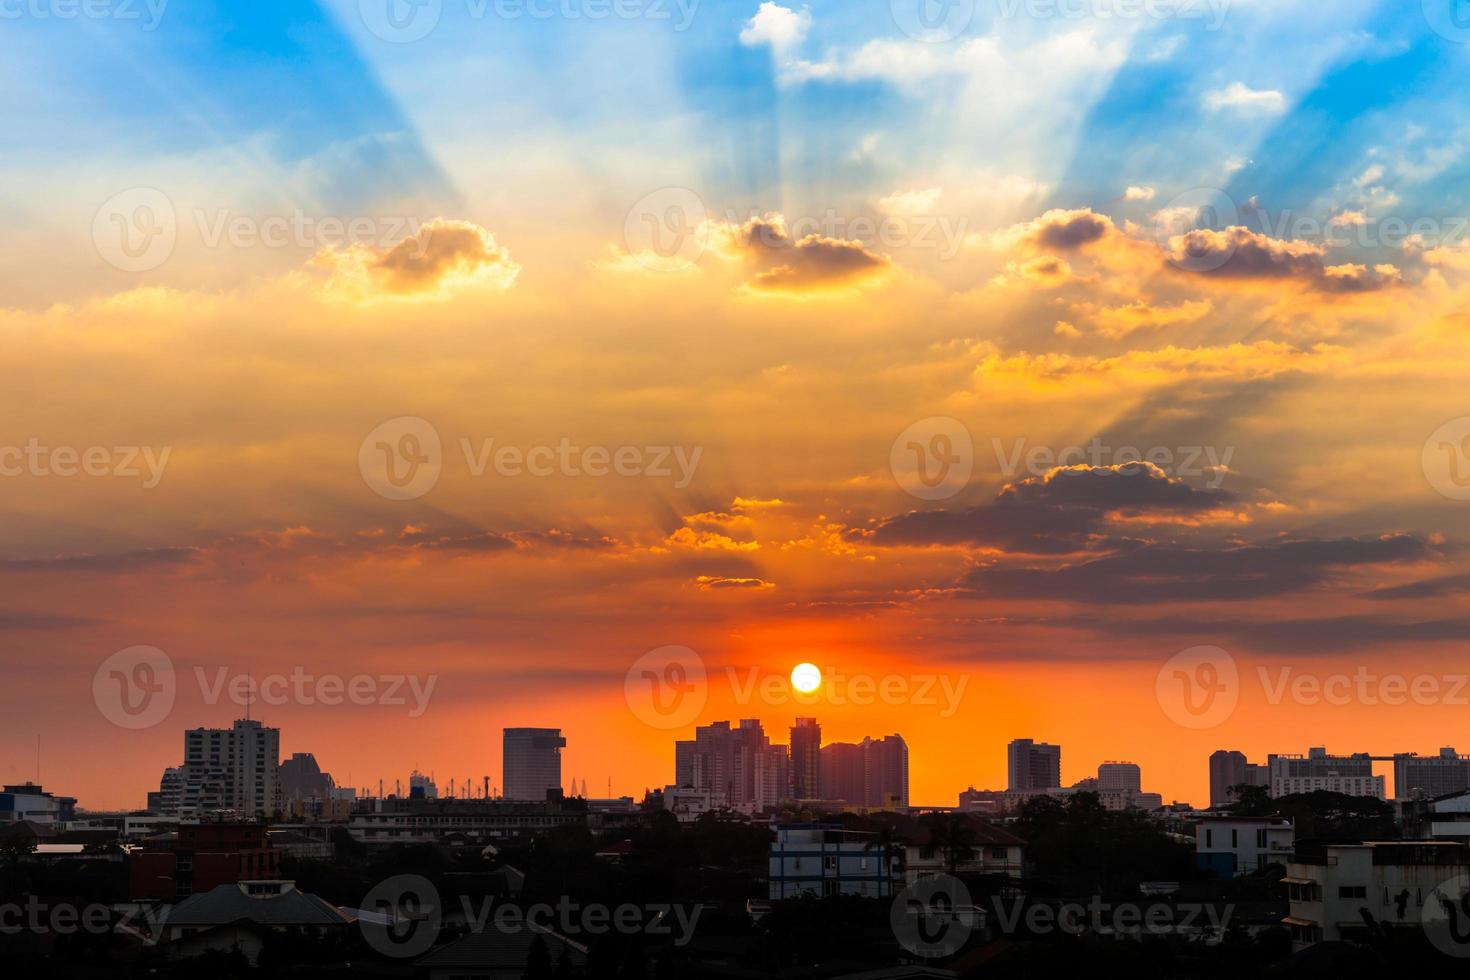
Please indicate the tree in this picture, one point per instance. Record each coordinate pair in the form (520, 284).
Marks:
(538, 961)
(954, 837)
(886, 842)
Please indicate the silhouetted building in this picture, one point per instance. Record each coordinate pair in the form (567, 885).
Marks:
(1033, 765)
(532, 763)
(1120, 777)
(1229, 769)
(1430, 777)
(871, 773)
(806, 759)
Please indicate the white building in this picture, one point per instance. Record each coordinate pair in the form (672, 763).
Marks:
(689, 803)
(1351, 775)
(1233, 846)
(826, 860)
(1332, 886)
(28, 801)
(236, 769)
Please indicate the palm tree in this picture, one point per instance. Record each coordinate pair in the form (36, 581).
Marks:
(886, 842)
(955, 838)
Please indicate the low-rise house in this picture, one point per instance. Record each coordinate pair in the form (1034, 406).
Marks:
(238, 916)
(1336, 889)
(1230, 845)
(993, 851)
(500, 954)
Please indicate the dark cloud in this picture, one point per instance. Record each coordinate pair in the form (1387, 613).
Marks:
(1068, 230)
(1239, 253)
(807, 263)
(124, 562)
(1171, 573)
(1424, 589)
(1062, 511)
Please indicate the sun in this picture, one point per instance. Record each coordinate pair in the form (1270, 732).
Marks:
(806, 678)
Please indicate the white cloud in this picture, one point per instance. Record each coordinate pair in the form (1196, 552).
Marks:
(1137, 193)
(1370, 176)
(1238, 95)
(778, 26)
(911, 202)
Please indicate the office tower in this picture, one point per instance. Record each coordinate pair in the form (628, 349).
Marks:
(532, 763)
(1429, 777)
(1351, 775)
(1119, 777)
(806, 759)
(1229, 769)
(236, 768)
(1033, 765)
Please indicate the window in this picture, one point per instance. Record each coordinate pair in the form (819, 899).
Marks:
(1234, 838)
(1352, 891)
(998, 853)
(829, 863)
(1209, 837)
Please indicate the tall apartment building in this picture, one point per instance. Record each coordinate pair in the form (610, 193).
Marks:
(1228, 769)
(738, 767)
(1033, 765)
(870, 773)
(531, 759)
(235, 769)
(1430, 777)
(1348, 774)
(806, 759)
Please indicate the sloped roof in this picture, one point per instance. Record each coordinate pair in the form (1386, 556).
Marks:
(504, 949)
(228, 903)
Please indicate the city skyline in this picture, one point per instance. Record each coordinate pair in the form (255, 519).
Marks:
(906, 373)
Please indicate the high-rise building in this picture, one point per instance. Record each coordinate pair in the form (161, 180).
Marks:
(1120, 777)
(532, 763)
(733, 765)
(235, 768)
(303, 779)
(844, 772)
(1229, 769)
(1351, 775)
(1033, 765)
(1428, 777)
(806, 759)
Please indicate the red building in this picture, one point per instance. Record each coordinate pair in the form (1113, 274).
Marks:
(201, 857)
